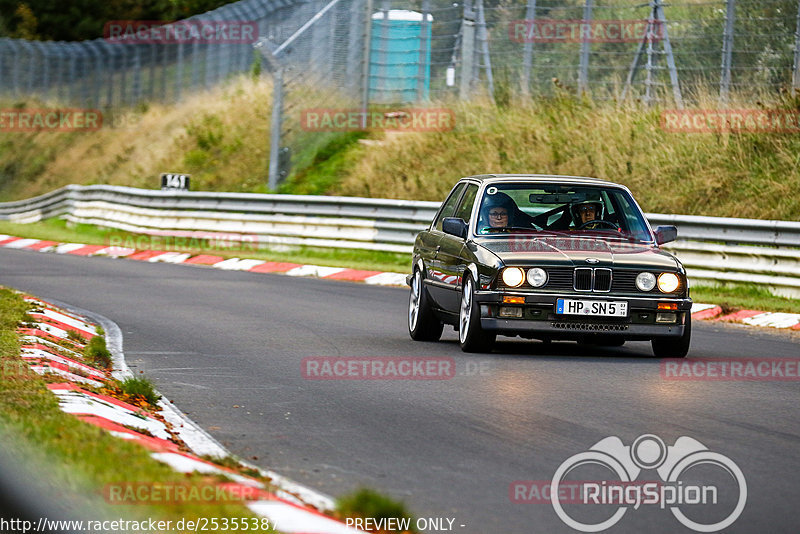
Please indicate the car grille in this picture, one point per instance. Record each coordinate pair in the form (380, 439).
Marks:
(602, 279)
(583, 279)
(579, 279)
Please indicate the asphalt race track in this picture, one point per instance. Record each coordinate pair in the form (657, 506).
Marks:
(226, 347)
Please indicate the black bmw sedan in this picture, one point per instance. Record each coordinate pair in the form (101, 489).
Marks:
(550, 258)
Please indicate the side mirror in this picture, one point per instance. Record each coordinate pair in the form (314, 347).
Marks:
(455, 226)
(666, 234)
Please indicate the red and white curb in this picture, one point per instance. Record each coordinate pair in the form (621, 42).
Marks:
(290, 508)
(747, 317)
(699, 311)
(231, 264)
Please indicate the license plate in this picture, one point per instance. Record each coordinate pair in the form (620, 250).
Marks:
(617, 308)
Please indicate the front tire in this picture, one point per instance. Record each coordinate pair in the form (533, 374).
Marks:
(422, 323)
(471, 336)
(674, 347)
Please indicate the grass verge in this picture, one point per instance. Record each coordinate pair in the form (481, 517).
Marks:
(744, 297)
(81, 463)
(62, 231)
(365, 503)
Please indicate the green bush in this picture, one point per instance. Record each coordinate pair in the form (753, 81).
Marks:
(140, 387)
(369, 503)
(97, 353)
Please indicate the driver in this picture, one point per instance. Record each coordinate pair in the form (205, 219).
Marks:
(588, 213)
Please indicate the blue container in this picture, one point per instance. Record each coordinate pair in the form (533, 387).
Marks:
(397, 57)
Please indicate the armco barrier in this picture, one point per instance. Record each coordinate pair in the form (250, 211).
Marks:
(712, 249)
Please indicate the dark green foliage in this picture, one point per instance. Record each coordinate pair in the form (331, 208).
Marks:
(97, 353)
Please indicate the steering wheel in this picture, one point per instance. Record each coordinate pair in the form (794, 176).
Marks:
(599, 221)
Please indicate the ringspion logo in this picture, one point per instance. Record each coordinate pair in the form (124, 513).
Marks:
(691, 477)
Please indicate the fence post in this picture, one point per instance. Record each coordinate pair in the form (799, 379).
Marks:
(275, 129)
(423, 70)
(467, 49)
(15, 67)
(137, 75)
(164, 68)
(109, 67)
(527, 54)
(649, 66)
(151, 81)
(727, 51)
(381, 91)
(72, 76)
(483, 36)
(796, 71)
(673, 70)
(583, 73)
(42, 47)
(179, 73)
(352, 74)
(367, 62)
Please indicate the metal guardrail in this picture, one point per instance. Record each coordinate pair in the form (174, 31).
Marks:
(712, 249)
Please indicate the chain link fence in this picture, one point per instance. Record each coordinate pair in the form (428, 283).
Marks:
(335, 61)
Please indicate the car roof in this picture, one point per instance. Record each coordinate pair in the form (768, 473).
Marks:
(544, 178)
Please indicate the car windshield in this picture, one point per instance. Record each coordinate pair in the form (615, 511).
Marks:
(537, 207)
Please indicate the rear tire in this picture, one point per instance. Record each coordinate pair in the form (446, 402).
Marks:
(674, 347)
(422, 323)
(471, 336)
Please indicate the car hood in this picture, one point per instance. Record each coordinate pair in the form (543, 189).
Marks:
(527, 249)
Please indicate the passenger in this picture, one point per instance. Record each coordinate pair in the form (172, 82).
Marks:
(497, 211)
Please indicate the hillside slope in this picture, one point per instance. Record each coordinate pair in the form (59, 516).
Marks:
(221, 138)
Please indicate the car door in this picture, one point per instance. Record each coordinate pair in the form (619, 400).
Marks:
(449, 261)
(428, 242)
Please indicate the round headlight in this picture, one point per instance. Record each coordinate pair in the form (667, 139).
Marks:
(668, 282)
(646, 281)
(513, 276)
(537, 277)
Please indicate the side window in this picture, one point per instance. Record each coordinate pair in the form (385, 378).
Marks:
(465, 208)
(449, 206)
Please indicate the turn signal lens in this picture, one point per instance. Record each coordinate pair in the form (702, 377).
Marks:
(513, 276)
(513, 300)
(672, 306)
(668, 282)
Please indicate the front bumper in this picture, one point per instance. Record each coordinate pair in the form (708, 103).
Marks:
(539, 317)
